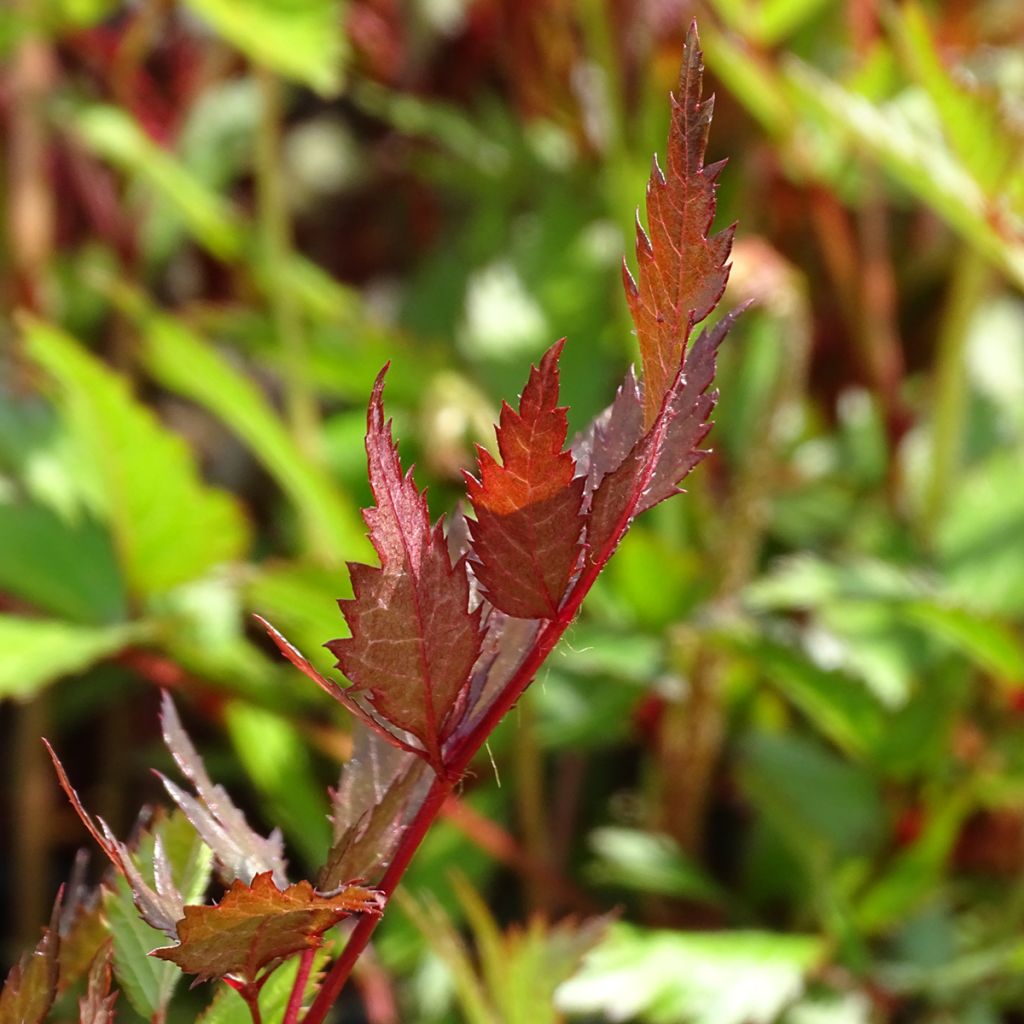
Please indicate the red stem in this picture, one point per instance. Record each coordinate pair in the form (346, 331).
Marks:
(460, 757)
(291, 1013)
(443, 785)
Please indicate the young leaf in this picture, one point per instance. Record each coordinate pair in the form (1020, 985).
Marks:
(97, 1005)
(526, 536)
(663, 456)
(414, 641)
(161, 907)
(380, 787)
(681, 269)
(240, 852)
(31, 984)
(257, 926)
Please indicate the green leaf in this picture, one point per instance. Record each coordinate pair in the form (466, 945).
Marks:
(115, 136)
(841, 707)
(902, 137)
(38, 651)
(980, 541)
(672, 977)
(185, 363)
(301, 39)
(147, 983)
(646, 862)
(61, 565)
(169, 527)
(988, 144)
(990, 644)
(823, 807)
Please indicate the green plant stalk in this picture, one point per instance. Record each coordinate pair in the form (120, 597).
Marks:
(970, 276)
(275, 238)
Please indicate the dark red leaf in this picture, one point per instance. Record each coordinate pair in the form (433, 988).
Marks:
(526, 537)
(414, 640)
(681, 270)
(662, 457)
(257, 926)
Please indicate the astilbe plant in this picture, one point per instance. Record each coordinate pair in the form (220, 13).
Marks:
(452, 626)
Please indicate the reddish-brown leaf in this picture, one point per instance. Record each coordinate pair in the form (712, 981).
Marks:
(681, 269)
(257, 926)
(414, 640)
(31, 985)
(96, 1006)
(526, 537)
(657, 462)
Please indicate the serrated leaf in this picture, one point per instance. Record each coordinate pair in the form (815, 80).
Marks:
(655, 464)
(96, 1006)
(241, 853)
(31, 984)
(148, 984)
(39, 651)
(681, 269)
(160, 907)
(526, 535)
(168, 526)
(257, 926)
(380, 787)
(414, 641)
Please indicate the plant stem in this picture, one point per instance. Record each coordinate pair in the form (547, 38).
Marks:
(442, 786)
(251, 995)
(275, 253)
(291, 1013)
(949, 403)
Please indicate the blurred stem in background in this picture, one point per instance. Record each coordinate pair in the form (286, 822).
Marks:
(276, 249)
(968, 285)
(692, 728)
(30, 240)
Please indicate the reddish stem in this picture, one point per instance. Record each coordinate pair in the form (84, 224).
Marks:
(458, 762)
(291, 1013)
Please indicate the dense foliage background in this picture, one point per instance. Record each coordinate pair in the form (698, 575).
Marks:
(785, 736)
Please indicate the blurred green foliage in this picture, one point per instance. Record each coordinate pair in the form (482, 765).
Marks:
(784, 738)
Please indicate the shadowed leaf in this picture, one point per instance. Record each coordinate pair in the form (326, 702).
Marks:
(31, 984)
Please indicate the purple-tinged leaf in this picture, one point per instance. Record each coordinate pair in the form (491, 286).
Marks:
(414, 641)
(381, 786)
(240, 852)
